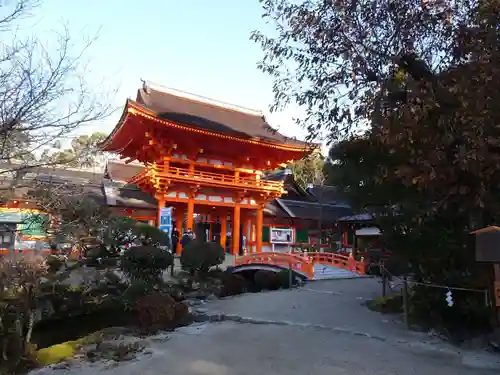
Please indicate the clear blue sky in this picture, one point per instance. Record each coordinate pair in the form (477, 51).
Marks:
(194, 45)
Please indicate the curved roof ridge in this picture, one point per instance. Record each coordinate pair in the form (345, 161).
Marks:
(202, 99)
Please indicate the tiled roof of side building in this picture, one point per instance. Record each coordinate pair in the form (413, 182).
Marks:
(328, 194)
(314, 211)
(294, 191)
(357, 218)
(121, 193)
(91, 187)
(121, 171)
(212, 115)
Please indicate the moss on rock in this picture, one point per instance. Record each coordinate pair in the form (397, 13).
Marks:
(61, 352)
(56, 353)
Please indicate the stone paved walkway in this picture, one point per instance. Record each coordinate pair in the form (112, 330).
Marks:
(321, 329)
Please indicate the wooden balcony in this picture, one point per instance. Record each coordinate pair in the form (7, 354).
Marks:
(159, 173)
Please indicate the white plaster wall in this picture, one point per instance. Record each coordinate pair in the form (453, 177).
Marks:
(277, 248)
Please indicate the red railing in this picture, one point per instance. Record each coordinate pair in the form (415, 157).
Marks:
(208, 177)
(304, 262)
(344, 261)
(298, 263)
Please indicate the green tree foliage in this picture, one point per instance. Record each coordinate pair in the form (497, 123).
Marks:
(334, 58)
(309, 170)
(84, 152)
(423, 76)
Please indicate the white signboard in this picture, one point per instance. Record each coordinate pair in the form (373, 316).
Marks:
(281, 235)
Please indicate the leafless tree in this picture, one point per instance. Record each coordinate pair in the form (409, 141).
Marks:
(43, 93)
(79, 215)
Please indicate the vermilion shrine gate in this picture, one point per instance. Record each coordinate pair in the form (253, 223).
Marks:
(204, 157)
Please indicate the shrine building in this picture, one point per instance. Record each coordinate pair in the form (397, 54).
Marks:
(298, 214)
(204, 158)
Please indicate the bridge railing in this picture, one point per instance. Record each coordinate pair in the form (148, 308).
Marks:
(297, 262)
(346, 262)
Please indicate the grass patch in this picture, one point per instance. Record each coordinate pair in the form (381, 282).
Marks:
(387, 305)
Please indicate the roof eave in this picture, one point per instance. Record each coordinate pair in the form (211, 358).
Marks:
(132, 107)
(284, 207)
(106, 143)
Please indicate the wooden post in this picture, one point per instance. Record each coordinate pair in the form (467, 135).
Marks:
(209, 222)
(252, 236)
(246, 232)
(260, 223)
(405, 302)
(179, 218)
(235, 235)
(355, 246)
(223, 230)
(190, 214)
(487, 250)
(496, 291)
(384, 284)
(383, 274)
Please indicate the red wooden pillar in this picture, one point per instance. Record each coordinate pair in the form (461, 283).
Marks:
(190, 214)
(259, 226)
(236, 229)
(223, 230)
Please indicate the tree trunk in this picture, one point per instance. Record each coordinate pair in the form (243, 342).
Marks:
(31, 323)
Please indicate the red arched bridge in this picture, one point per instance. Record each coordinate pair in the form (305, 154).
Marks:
(308, 265)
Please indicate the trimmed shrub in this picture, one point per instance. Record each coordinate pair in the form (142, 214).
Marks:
(54, 263)
(201, 256)
(156, 311)
(267, 280)
(96, 252)
(285, 277)
(469, 316)
(136, 290)
(233, 284)
(146, 263)
(151, 235)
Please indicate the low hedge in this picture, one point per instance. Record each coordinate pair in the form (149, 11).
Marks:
(200, 256)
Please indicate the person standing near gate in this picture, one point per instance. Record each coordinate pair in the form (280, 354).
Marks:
(174, 240)
(187, 237)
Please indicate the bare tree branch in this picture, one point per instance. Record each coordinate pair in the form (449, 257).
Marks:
(44, 95)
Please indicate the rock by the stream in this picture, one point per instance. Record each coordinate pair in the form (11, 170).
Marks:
(61, 291)
(84, 275)
(112, 344)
